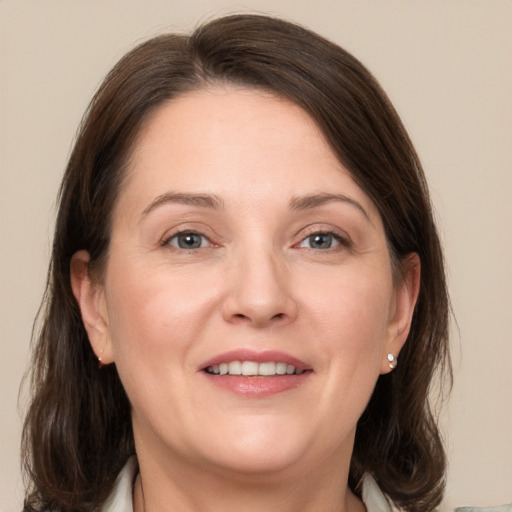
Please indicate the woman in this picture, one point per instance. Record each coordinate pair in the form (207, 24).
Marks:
(245, 244)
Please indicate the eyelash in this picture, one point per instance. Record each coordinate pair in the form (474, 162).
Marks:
(168, 241)
(341, 240)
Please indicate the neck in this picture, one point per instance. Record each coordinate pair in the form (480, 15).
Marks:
(174, 488)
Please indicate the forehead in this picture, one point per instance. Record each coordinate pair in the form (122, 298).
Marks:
(235, 142)
(221, 119)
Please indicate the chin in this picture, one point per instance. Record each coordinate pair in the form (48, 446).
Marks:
(263, 462)
(259, 446)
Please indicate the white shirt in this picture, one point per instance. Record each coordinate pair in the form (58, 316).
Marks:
(120, 499)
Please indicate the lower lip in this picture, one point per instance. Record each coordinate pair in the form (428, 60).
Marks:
(257, 387)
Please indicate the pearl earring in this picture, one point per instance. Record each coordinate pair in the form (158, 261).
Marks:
(392, 361)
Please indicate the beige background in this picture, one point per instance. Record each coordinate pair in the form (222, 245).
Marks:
(447, 66)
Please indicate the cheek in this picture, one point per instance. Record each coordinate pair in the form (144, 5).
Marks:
(350, 318)
(354, 307)
(156, 312)
(156, 316)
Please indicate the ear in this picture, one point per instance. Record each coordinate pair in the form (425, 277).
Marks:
(405, 297)
(91, 300)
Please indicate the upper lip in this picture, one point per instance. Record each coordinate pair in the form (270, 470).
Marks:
(264, 356)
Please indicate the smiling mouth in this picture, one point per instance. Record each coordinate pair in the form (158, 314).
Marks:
(254, 369)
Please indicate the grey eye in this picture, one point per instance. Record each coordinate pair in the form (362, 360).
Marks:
(188, 240)
(320, 241)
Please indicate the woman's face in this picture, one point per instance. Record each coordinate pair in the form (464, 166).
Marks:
(241, 244)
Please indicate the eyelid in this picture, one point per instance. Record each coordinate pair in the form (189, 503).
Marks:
(166, 239)
(342, 236)
(338, 241)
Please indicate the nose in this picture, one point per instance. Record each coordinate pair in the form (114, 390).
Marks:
(259, 292)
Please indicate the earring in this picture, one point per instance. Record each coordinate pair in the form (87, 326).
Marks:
(392, 361)
(101, 364)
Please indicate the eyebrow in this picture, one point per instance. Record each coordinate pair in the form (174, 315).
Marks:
(215, 202)
(315, 200)
(210, 201)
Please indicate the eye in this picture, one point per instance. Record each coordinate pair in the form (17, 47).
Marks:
(321, 240)
(188, 240)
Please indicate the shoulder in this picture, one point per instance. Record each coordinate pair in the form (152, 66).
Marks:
(500, 508)
(376, 501)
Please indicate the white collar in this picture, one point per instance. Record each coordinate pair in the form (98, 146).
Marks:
(120, 499)
(373, 497)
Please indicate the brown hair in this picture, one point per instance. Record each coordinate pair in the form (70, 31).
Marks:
(77, 433)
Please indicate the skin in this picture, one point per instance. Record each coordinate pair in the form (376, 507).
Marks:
(258, 282)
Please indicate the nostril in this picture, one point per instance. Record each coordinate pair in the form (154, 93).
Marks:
(276, 317)
(247, 306)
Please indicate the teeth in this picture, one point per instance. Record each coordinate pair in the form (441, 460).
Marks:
(267, 369)
(235, 368)
(251, 368)
(281, 368)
